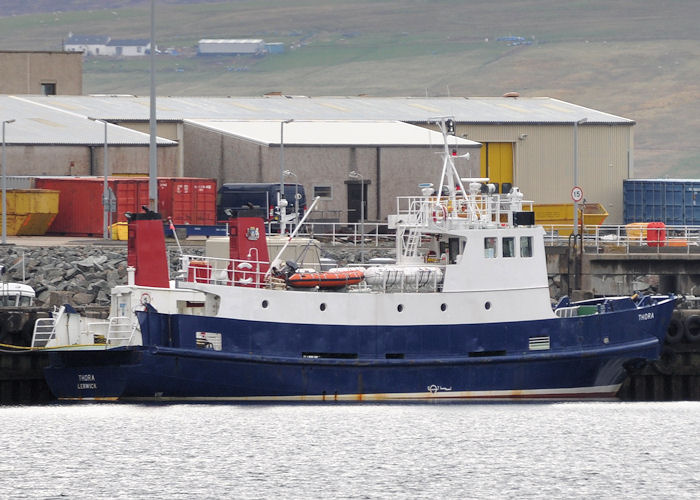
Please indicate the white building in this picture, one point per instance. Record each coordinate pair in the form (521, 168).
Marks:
(230, 47)
(91, 45)
(128, 48)
(102, 45)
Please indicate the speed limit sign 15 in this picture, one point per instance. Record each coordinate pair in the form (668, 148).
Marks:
(576, 194)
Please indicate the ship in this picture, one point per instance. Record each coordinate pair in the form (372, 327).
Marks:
(463, 314)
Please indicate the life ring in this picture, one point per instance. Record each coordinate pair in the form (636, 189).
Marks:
(692, 328)
(439, 214)
(145, 298)
(674, 333)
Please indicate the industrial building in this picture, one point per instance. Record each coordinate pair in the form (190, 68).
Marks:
(47, 141)
(391, 158)
(210, 47)
(42, 72)
(542, 145)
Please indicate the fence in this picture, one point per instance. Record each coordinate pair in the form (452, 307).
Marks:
(596, 239)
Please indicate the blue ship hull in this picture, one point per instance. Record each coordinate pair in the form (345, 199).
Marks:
(587, 357)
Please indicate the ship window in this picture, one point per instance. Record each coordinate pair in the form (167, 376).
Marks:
(399, 307)
(443, 307)
(264, 304)
(322, 306)
(487, 306)
(526, 246)
(490, 248)
(508, 247)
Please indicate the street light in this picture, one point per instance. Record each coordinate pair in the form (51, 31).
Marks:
(356, 175)
(296, 192)
(576, 124)
(282, 203)
(105, 190)
(4, 184)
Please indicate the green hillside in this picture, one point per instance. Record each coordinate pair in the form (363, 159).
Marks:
(635, 59)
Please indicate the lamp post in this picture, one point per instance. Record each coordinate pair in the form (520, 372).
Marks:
(105, 188)
(4, 184)
(282, 203)
(576, 124)
(296, 193)
(356, 175)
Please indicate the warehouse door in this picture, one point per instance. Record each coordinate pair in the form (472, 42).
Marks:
(497, 163)
(356, 197)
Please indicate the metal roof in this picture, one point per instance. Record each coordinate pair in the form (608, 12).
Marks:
(87, 40)
(332, 133)
(129, 42)
(471, 110)
(36, 123)
(231, 40)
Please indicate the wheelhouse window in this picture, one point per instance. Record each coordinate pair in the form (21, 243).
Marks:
(490, 247)
(508, 247)
(526, 246)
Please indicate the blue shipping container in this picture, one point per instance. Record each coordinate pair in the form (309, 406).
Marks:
(675, 202)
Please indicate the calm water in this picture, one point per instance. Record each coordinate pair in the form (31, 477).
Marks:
(566, 450)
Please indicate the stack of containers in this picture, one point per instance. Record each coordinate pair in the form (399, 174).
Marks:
(187, 200)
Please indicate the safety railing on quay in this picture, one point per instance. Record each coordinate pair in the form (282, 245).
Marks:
(639, 238)
(629, 238)
(375, 233)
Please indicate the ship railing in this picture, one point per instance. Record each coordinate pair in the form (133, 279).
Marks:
(44, 332)
(120, 331)
(354, 233)
(251, 273)
(566, 312)
(420, 211)
(221, 271)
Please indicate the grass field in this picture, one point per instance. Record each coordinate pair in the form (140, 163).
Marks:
(640, 60)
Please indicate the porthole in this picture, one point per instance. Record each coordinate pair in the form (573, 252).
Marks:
(487, 306)
(443, 307)
(399, 307)
(264, 304)
(322, 306)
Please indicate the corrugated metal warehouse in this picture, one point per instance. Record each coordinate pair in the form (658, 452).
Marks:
(390, 156)
(530, 141)
(49, 141)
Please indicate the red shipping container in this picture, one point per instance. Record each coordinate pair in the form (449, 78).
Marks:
(188, 200)
(80, 212)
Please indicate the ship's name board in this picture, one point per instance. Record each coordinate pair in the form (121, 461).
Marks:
(86, 381)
